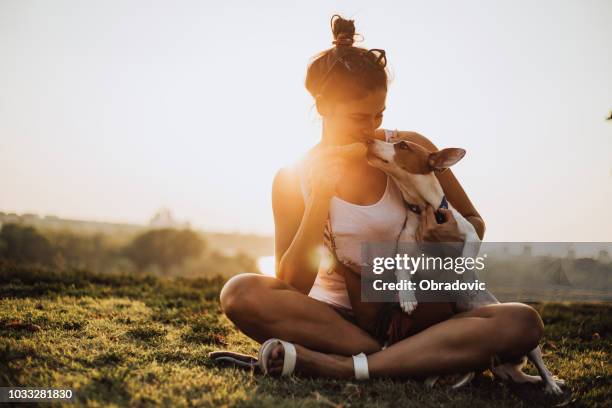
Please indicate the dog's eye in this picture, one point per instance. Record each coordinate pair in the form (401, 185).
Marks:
(403, 145)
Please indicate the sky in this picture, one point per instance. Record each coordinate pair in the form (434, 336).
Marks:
(111, 110)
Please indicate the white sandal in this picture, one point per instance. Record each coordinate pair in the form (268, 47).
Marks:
(360, 364)
(288, 361)
(360, 361)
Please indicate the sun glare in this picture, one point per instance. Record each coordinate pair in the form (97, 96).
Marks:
(266, 265)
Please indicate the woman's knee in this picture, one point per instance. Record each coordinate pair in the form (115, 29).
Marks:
(520, 326)
(240, 293)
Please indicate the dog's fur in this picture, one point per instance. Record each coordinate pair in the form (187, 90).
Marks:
(412, 167)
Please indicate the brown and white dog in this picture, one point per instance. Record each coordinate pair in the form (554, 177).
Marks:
(413, 168)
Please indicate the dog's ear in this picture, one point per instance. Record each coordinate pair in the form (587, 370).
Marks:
(443, 159)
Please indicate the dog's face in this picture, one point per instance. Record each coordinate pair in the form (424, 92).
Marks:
(403, 157)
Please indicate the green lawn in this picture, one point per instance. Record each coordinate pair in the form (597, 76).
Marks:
(140, 341)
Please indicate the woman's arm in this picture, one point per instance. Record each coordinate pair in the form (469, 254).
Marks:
(452, 189)
(299, 225)
(459, 199)
(298, 231)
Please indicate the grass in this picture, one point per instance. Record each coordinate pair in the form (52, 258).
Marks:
(120, 340)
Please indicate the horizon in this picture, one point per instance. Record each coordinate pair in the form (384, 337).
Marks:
(116, 112)
(179, 223)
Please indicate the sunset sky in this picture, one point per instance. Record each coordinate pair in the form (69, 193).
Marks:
(110, 110)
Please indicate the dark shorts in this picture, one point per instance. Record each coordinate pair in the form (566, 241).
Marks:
(393, 325)
(381, 331)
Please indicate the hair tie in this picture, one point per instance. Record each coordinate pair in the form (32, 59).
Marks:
(343, 40)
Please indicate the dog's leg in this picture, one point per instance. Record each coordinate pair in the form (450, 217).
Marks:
(514, 372)
(551, 383)
(407, 298)
(505, 371)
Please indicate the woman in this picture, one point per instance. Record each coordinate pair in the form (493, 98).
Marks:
(314, 308)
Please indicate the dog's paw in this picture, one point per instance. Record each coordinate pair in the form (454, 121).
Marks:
(554, 387)
(408, 306)
(407, 298)
(407, 301)
(526, 378)
(514, 373)
(558, 380)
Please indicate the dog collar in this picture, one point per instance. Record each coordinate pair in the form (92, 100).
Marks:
(439, 217)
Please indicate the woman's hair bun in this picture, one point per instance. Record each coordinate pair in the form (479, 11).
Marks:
(343, 30)
(359, 73)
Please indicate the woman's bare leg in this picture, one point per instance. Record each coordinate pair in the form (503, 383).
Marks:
(464, 343)
(264, 307)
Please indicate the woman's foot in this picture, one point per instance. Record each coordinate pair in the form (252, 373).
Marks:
(311, 363)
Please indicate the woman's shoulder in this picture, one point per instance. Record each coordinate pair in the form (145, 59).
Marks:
(287, 192)
(287, 180)
(287, 175)
(290, 176)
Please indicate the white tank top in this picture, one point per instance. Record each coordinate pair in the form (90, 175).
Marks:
(352, 225)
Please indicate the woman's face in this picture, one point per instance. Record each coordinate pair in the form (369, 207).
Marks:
(355, 121)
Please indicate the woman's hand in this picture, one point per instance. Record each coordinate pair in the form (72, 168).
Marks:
(447, 233)
(327, 166)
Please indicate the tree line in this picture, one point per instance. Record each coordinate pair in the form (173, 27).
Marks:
(164, 251)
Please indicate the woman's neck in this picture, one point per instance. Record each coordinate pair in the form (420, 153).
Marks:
(329, 138)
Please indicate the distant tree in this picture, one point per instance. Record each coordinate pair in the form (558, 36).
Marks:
(245, 261)
(81, 250)
(164, 247)
(20, 243)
